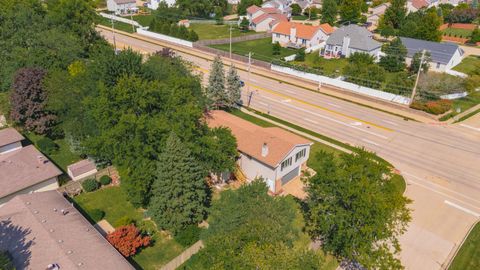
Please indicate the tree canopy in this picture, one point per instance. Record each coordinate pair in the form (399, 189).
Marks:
(354, 208)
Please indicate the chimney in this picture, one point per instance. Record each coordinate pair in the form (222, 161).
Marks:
(293, 32)
(264, 150)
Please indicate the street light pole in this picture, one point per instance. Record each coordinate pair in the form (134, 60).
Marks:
(230, 43)
(248, 88)
(414, 91)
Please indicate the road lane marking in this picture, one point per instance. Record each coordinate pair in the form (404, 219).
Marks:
(334, 105)
(287, 100)
(470, 127)
(310, 120)
(263, 103)
(321, 108)
(441, 187)
(328, 118)
(466, 210)
(443, 194)
(370, 142)
(390, 122)
(289, 91)
(356, 123)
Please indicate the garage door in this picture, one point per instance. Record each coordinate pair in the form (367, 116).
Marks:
(289, 176)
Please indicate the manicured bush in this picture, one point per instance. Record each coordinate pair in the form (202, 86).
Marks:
(47, 145)
(90, 185)
(188, 236)
(128, 240)
(434, 107)
(96, 215)
(105, 180)
(147, 227)
(124, 221)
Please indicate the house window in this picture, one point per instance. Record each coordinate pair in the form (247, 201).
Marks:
(300, 154)
(277, 35)
(438, 64)
(286, 163)
(304, 41)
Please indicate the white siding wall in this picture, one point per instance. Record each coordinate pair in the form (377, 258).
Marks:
(263, 26)
(50, 184)
(253, 169)
(299, 162)
(10, 147)
(456, 59)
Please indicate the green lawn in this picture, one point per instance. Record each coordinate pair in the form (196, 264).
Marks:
(468, 65)
(465, 33)
(62, 157)
(118, 25)
(463, 104)
(213, 31)
(114, 203)
(468, 257)
(143, 20)
(261, 49)
(328, 66)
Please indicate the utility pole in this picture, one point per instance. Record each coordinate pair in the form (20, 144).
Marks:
(231, 43)
(131, 18)
(414, 91)
(113, 32)
(248, 87)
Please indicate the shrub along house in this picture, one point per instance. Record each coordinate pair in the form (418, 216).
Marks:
(444, 56)
(23, 169)
(272, 153)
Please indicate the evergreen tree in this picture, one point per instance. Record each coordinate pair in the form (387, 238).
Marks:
(351, 10)
(394, 59)
(179, 191)
(276, 48)
(216, 93)
(329, 11)
(234, 86)
(244, 24)
(394, 15)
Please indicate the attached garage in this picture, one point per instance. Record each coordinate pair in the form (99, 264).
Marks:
(290, 175)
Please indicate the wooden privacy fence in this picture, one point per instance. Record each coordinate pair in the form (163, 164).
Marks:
(182, 258)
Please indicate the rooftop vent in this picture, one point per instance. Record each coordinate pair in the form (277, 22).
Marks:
(60, 241)
(54, 209)
(64, 212)
(53, 266)
(264, 150)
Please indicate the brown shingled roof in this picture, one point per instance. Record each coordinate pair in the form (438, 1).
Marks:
(36, 233)
(252, 9)
(250, 137)
(275, 17)
(23, 168)
(9, 135)
(81, 167)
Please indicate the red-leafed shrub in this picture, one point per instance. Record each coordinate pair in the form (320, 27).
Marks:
(434, 107)
(127, 240)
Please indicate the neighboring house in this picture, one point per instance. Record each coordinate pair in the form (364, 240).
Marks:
(444, 56)
(350, 39)
(233, 2)
(185, 23)
(282, 5)
(82, 169)
(276, 155)
(303, 4)
(122, 6)
(374, 15)
(297, 35)
(45, 231)
(23, 169)
(415, 5)
(153, 4)
(264, 19)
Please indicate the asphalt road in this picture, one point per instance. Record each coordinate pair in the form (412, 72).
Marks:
(441, 163)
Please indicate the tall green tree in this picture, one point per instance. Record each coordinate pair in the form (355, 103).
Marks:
(219, 151)
(393, 18)
(351, 10)
(216, 94)
(179, 191)
(355, 209)
(329, 12)
(362, 70)
(415, 64)
(248, 229)
(423, 24)
(233, 88)
(395, 54)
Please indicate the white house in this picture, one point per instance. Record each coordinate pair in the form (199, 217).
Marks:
(122, 6)
(274, 154)
(153, 4)
(375, 13)
(23, 169)
(264, 19)
(282, 5)
(350, 39)
(297, 35)
(444, 56)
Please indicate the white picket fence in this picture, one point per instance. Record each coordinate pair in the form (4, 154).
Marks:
(120, 19)
(344, 85)
(165, 38)
(456, 73)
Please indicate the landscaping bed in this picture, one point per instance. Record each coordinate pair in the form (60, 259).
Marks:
(113, 202)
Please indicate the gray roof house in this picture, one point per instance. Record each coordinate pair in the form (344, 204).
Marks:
(350, 39)
(44, 231)
(443, 56)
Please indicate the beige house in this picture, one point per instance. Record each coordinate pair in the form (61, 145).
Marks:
(274, 154)
(374, 15)
(44, 231)
(23, 169)
(264, 19)
(297, 35)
